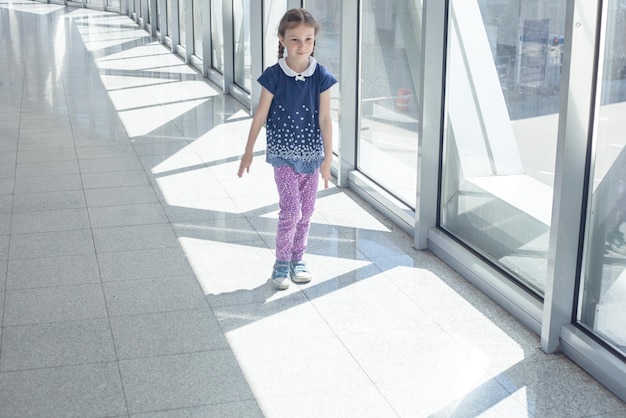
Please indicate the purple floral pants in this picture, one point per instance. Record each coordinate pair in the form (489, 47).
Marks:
(296, 199)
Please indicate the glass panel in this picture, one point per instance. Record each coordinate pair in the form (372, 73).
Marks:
(273, 12)
(197, 27)
(603, 294)
(217, 38)
(241, 35)
(327, 47)
(387, 146)
(168, 17)
(182, 27)
(502, 97)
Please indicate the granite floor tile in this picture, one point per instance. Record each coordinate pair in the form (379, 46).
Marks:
(248, 409)
(7, 186)
(4, 247)
(556, 387)
(7, 171)
(401, 354)
(107, 165)
(51, 244)
(466, 393)
(106, 151)
(48, 155)
(5, 223)
(135, 237)
(272, 322)
(54, 304)
(56, 344)
(44, 169)
(183, 381)
(155, 295)
(51, 220)
(3, 278)
(114, 179)
(132, 195)
(350, 401)
(83, 390)
(143, 264)
(165, 333)
(46, 184)
(48, 201)
(127, 215)
(31, 273)
(305, 366)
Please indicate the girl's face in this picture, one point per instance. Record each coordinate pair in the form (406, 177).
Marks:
(299, 41)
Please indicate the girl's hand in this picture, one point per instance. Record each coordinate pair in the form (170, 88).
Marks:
(244, 165)
(325, 172)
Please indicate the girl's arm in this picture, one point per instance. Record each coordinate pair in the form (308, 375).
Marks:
(326, 126)
(260, 115)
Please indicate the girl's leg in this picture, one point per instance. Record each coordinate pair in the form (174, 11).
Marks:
(289, 203)
(308, 184)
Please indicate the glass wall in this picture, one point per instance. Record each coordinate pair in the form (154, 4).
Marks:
(217, 37)
(273, 11)
(197, 27)
(501, 128)
(241, 35)
(182, 27)
(327, 50)
(602, 306)
(168, 17)
(387, 146)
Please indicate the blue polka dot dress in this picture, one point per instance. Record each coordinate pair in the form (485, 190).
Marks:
(292, 127)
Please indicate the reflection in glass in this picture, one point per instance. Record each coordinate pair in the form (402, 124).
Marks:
(390, 47)
(273, 11)
(182, 27)
(241, 27)
(217, 40)
(603, 295)
(327, 47)
(502, 103)
(197, 27)
(168, 17)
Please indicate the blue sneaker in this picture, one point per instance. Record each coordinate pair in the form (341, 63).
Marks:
(299, 272)
(280, 275)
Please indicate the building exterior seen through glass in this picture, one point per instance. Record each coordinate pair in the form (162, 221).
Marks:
(217, 37)
(241, 35)
(388, 125)
(328, 14)
(602, 306)
(504, 62)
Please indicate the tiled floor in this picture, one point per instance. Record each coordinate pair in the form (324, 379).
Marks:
(134, 263)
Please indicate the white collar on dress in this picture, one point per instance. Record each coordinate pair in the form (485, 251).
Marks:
(298, 76)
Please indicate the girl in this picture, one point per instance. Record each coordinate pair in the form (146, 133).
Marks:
(295, 106)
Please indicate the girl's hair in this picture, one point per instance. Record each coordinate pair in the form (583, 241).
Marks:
(291, 19)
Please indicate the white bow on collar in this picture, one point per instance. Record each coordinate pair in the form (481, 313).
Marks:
(298, 76)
